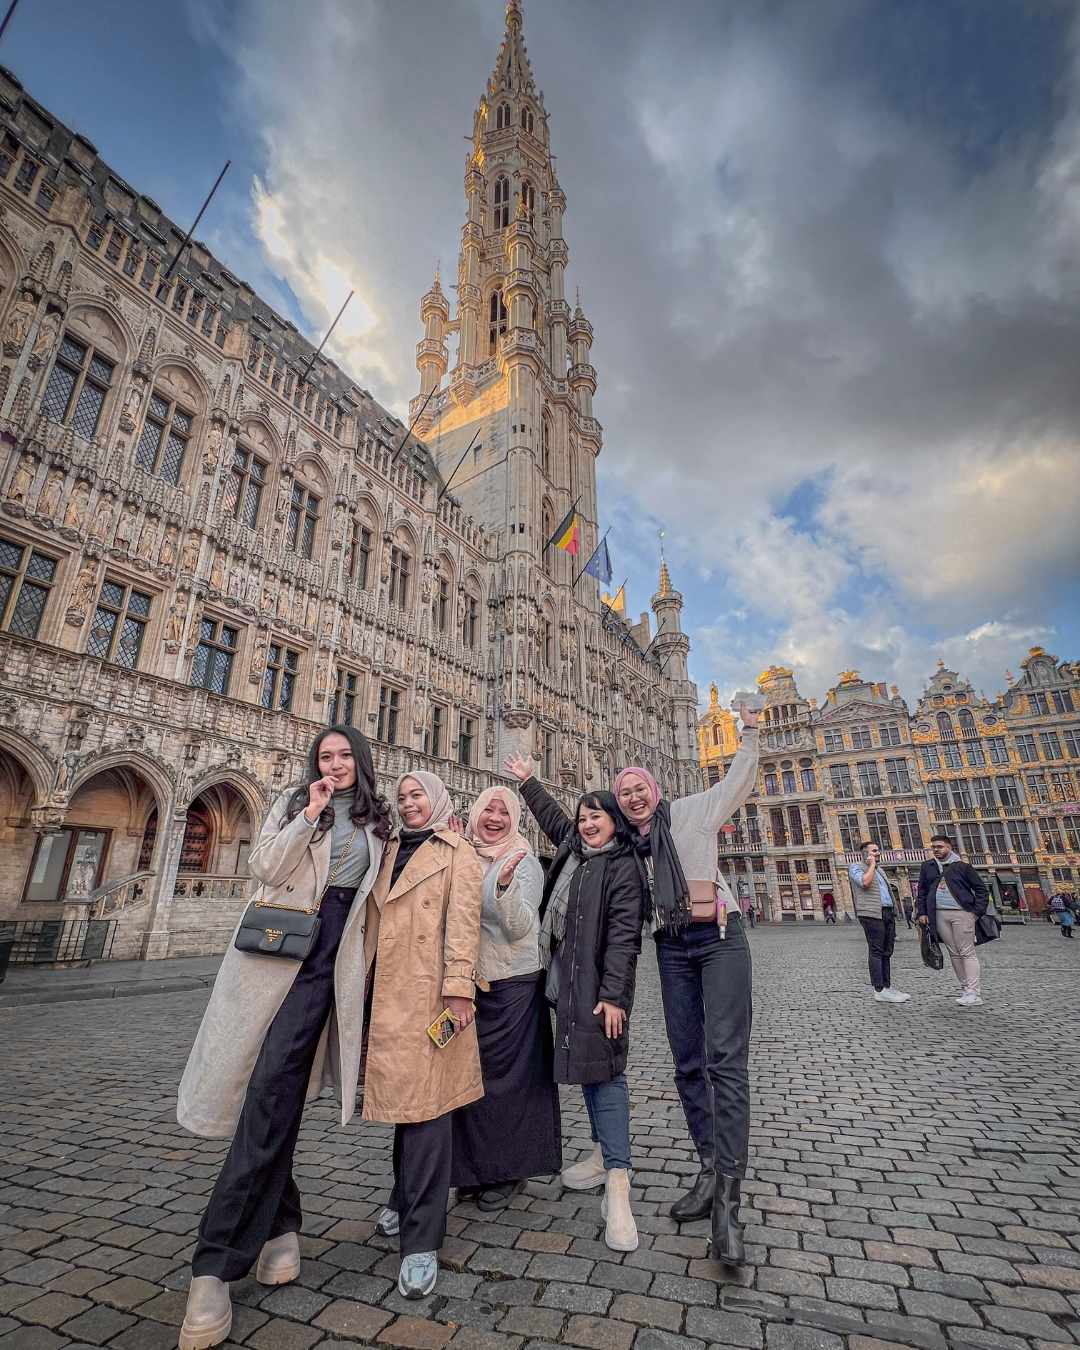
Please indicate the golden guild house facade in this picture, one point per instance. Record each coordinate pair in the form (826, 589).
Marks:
(212, 541)
(1000, 776)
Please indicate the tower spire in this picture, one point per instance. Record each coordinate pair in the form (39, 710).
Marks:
(512, 73)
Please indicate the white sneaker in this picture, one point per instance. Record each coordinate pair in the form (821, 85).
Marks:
(895, 996)
(968, 1000)
(388, 1223)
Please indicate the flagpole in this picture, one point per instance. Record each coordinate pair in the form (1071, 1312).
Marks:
(595, 551)
(457, 466)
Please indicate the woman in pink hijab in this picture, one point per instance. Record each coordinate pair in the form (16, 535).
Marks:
(705, 977)
(514, 1131)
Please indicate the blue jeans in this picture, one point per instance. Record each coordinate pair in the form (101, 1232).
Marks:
(705, 981)
(608, 1105)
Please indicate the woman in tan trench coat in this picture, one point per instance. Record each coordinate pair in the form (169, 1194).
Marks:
(277, 1031)
(423, 937)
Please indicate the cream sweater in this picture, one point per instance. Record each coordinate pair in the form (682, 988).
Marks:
(696, 821)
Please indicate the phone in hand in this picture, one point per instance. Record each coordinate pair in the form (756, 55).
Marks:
(443, 1030)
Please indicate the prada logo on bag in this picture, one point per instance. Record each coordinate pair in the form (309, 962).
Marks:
(273, 934)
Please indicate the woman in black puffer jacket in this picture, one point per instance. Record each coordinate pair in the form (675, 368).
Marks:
(590, 938)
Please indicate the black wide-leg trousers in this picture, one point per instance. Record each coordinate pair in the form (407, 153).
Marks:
(423, 1156)
(255, 1198)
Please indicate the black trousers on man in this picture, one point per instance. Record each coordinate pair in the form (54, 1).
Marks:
(255, 1197)
(880, 941)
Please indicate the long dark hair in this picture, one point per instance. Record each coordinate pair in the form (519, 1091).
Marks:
(603, 801)
(368, 808)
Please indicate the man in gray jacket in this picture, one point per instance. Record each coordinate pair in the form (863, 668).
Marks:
(875, 906)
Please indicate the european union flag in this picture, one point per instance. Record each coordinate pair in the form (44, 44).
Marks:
(599, 565)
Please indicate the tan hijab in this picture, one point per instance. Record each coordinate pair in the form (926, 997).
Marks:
(513, 842)
(442, 808)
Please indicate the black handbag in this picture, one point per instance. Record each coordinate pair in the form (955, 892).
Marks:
(282, 930)
(987, 928)
(930, 947)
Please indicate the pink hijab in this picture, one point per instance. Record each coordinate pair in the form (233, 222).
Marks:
(513, 842)
(442, 808)
(633, 770)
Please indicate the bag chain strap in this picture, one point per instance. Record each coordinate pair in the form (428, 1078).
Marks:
(335, 871)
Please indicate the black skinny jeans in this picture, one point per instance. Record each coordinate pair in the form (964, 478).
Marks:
(705, 981)
(880, 941)
(255, 1197)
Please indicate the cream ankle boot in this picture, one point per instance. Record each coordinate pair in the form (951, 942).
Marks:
(208, 1317)
(621, 1233)
(279, 1260)
(587, 1174)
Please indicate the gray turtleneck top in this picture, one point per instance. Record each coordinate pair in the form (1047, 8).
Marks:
(354, 869)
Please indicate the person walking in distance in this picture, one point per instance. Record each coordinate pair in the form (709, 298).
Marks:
(875, 906)
(952, 895)
(828, 907)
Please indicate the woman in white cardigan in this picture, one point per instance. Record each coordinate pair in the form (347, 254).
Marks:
(705, 977)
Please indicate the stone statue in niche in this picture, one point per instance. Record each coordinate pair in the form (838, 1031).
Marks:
(167, 553)
(48, 334)
(236, 583)
(48, 502)
(213, 446)
(102, 519)
(77, 502)
(174, 629)
(266, 601)
(125, 527)
(217, 571)
(251, 589)
(132, 402)
(18, 324)
(312, 613)
(258, 658)
(322, 675)
(328, 625)
(190, 556)
(23, 477)
(282, 603)
(85, 587)
(148, 538)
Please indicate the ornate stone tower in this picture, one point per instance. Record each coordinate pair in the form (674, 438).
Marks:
(672, 647)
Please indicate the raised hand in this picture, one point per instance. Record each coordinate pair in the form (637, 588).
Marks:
(520, 767)
(509, 867)
(318, 797)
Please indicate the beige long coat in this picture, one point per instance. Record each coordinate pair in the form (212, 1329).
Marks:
(426, 930)
(291, 867)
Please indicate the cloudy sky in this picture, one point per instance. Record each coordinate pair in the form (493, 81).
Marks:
(830, 249)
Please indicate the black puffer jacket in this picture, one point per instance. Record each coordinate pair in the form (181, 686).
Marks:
(599, 952)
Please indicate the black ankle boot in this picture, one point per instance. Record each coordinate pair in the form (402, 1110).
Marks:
(727, 1243)
(697, 1203)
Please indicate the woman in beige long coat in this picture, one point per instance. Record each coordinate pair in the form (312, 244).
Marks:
(423, 936)
(277, 1031)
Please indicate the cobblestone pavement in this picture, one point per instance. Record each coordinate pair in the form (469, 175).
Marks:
(915, 1181)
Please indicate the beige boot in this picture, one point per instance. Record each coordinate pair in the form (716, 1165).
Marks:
(621, 1233)
(208, 1316)
(279, 1260)
(587, 1174)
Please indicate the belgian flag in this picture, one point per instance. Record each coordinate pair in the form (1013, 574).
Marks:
(568, 535)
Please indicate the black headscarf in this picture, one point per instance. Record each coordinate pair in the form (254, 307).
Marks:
(670, 893)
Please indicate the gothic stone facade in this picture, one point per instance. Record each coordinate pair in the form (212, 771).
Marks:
(212, 542)
(1001, 776)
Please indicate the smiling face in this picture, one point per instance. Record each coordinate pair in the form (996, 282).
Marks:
(596, 827)
(636, 799)
(413, 805)
(336, 761)
(493, 823)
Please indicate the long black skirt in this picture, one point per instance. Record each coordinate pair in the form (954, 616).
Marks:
(515, 1130)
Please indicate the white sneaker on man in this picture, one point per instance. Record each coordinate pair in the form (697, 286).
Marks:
(891, 996)
(968, 1000)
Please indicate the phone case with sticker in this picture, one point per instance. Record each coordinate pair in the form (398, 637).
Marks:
(443, 1030)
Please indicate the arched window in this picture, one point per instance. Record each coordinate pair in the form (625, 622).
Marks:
(440, 609)
(545, 444)
(945, 727)
(77, 387)
(548, 524)
(400, 573)
(497, 326)
(502, 116)
(303, 520)
(164, 439)
(502, 202)
(527, 120)
(470, 621)
(528, 198)
(967, 724)
(547, 641)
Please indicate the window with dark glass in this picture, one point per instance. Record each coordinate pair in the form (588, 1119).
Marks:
(907, 822)
(502, 203)
(1020, 836)
(1038, 705)
(772, 783)
(26, 175)
(1050, 830)
(808, 779)
(303, 518)
(470, 627)
(778, 827)
(279, 678)
(973, 752)
(984, 793)
(996, 840)
(795, 825)
(343, 699)
(840, 777)
(435, 732)
(213, 663)
(961, 795)
(547, 757)
(545, 445)
(1038, 791)
(528, 198)
(897, 772)
(78, 383)
(822, 869)
(1049, 745)
(442, 604)
(889, 733)
(971, 839)
(358, 556)
(502, 116)
(817, 824)
(850, 834)
(950, 756)
(877, 828)
(945, 727)
(389, 713)
(120, 620)
(938, 794)
(26, 577)
(753, 825)
(967, 723)
(496, 321)
(527, 120)
(861, 738)
(834, 740)
(164, 439)
(1025, 747)
(466, 740)
(787, 778)
(400, 572)
(1008, 791)
(999, 751)
(930, 757)
(1062, 700)
(547, 642)
(243, 495)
